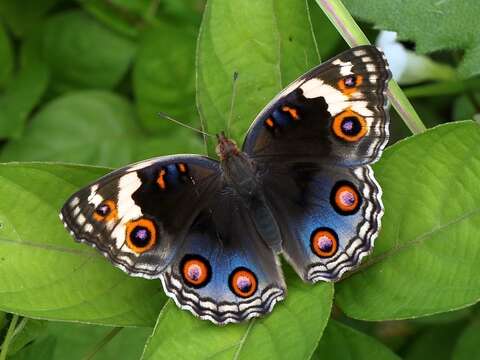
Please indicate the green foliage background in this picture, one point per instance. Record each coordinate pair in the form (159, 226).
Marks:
(81, 83)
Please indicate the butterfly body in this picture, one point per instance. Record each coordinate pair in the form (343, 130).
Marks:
(300, 186)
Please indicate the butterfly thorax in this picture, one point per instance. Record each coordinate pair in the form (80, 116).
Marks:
(237, 167)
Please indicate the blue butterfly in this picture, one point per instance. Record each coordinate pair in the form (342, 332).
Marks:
(300, 186)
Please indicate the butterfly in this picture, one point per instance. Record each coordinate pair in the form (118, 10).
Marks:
(301, 186)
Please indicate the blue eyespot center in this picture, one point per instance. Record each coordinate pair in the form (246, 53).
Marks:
(350, 81)
(140, 236)
(351, 126)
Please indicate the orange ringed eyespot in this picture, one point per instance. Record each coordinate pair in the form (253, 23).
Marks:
(292, 111)
(349, 126)
(324, 242)
(349, 84)
(345, 198)
(243, 282)
(106, 211)
(195, 270)
(141, 235)
(161, 179)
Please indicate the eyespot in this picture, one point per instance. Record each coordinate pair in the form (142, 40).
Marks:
(324, 242)
(345, 198)
(196, 270)
(243, 282)
(141, 235)
(105, 211)
(349, 126)
(349, 84)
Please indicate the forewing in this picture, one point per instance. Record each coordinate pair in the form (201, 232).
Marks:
(335, 112)
(138, 216)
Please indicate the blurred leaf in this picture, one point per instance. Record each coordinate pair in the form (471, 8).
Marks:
(164, 76)
(326, 35)
(42, 349)
(415, 20)
(467, 344)
(124, 16)
(342, 342)
(291, 331)
(186, 10)
(27, 331)
(426, 257)
(25, 90)
(444, 318)
(82, 53)
(22, 16)
(44, 273)
(269, 43)
(92, 127)
(464, 108)
(434, 343)
(75, 341)
(6, 57)
(3, 316)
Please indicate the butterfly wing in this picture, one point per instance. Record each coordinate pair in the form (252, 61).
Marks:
(139, 215)
(225, 272)
(329, 216)
(173, 218)
(334, 112)
(313, 144)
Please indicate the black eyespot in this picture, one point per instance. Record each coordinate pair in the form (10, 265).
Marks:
(141, 235)
(103, 209)
(351, 126)
(350, 81)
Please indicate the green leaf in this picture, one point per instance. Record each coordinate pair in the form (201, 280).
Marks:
(42, 349)
(467, 344)
(291, 331)
(44, 273)
(124, 16)
(427, 255)
(27, 330)
(342, 342)
(6, 56)
(164, 76)
(82, 53)
(433, 25)
(23, 16)
(269, 43)
(74, 341)
(92, 127)
(435, 342)
(26, 88)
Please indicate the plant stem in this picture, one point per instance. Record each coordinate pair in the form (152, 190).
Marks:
(99, 346)
(9, 337)
(338, 14)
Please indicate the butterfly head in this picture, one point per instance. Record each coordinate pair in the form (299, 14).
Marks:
(226, 147)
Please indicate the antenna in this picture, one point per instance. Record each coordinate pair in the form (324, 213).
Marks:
(168, 117)
(234, 90)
